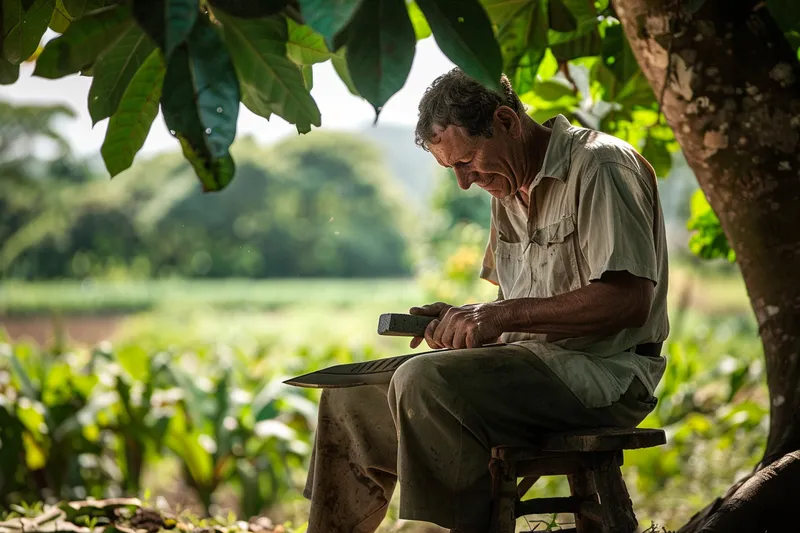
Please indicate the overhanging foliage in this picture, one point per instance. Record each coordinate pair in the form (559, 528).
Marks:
(197, 59)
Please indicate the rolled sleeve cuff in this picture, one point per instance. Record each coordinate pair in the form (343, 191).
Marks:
(489, 275)
(646, 271)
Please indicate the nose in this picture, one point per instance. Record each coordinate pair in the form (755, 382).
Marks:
(463, 178)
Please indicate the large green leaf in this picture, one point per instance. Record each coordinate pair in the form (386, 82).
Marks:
(464, 33)
(589, 44)
(250, 8)
(9, 73)
(339, 62)
(270, 82)
(134, 358)
(168, 22)
(586, 20)
(308, 76)
(84, 41)
(115, 69)
(78, 8)
(786, 13)
(708, 240)
(501, 11)
(75, 8)
(305, 46)
(636, 92)
(24, 23)
(522, 32)
(25, 383)
(380, 49)
(329, 17)
(60, 20)
(222, 405)
(553, 91)
(200, 102)
(421, 28)
(657, 153)
(560, 17)
(617, 54)
(131, 122)
(184, 442)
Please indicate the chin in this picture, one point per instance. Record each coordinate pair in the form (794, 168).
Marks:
(497, 193)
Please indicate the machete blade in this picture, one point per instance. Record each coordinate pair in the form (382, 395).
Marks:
(375, 372)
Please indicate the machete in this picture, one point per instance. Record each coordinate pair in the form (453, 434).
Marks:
(368, 372)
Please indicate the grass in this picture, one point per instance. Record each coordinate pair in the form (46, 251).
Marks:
(105, 297)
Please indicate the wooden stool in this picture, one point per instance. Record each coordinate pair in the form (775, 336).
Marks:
(590, 460)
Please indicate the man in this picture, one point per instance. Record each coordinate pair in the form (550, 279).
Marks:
(577, 248)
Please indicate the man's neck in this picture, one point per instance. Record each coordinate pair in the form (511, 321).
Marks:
(535, 139)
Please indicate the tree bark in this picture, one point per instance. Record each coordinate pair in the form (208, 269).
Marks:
(731, 93)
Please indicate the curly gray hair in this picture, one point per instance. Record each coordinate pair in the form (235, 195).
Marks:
(456, 99)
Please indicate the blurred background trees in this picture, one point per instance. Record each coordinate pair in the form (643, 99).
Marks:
(321, 206)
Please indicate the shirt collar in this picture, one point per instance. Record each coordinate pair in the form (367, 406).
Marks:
(557, 158)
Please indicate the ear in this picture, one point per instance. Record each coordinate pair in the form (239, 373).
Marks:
(508, 120)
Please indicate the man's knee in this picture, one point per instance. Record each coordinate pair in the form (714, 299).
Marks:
(416, 382)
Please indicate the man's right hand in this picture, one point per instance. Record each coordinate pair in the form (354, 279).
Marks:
(438, 309)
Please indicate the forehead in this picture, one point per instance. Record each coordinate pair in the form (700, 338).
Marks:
(450, 144)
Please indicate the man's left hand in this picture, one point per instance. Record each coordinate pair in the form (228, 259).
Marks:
(468, 326)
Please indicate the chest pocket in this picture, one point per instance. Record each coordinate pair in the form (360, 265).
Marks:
(553, 259)
(511, 261)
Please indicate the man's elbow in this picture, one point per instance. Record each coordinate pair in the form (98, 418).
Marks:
(633, 296)
(640, 303)
(639, 317)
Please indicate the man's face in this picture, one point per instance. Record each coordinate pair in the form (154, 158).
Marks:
(479, 160)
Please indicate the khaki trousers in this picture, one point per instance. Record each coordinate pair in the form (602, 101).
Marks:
(433, 427)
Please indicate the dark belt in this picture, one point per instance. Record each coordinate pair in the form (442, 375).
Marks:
(651, 349)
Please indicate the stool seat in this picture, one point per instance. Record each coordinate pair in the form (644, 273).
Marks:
(591, 440)
(589, 458)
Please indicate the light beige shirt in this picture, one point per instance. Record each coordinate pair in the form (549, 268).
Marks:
(594, 208)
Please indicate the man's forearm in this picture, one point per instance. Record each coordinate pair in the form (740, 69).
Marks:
(601, 308)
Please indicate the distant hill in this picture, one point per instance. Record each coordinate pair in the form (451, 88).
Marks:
(414, 167)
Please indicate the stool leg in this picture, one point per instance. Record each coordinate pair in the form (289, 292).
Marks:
(617, 508)
(581, 484)
(504, 496)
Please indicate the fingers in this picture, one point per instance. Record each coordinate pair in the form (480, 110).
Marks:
(459, 340)
(416, 341)
(444, 336)
(446, 331)
(434, 309)
(429, 334)
(470, 341)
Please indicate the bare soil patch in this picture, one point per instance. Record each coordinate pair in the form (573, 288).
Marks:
(79, 329)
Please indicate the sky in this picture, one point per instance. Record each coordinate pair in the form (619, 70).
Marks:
(340, 109)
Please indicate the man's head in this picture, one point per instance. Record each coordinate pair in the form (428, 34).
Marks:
(474, 130)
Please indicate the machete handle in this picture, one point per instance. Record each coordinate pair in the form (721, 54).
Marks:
(400, 325)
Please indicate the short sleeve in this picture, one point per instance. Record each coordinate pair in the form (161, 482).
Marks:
(488, 269)
(616, 214)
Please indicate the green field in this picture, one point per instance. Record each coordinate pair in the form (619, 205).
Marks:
(99, 297)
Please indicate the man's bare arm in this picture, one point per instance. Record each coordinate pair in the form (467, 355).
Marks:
(616, 302)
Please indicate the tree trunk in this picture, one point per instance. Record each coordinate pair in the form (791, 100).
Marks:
(731, 93)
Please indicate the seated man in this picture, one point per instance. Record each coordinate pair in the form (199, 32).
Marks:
(578, 250)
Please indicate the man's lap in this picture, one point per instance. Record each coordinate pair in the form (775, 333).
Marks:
(513, 394)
